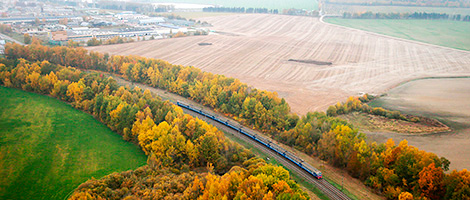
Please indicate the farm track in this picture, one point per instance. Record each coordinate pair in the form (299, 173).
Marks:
(258, 49)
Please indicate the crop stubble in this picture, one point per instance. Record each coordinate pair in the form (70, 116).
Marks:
(258, 47)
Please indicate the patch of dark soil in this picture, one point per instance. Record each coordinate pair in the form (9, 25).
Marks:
(204, 44)
(311, 62)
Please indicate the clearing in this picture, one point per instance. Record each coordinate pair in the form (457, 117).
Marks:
(48, 148)
(445, 99)
(374, 123)
(259, 46)
(439, 32)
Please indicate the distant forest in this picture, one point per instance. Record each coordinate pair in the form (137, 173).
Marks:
(292, 11)
(427, 3)
(131, 6)
(415, 15)
(240, 10)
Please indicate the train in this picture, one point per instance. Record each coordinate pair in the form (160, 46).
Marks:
(261, 140)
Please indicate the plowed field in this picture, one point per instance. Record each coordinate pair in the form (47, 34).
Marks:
(447, 100)
(256, 49)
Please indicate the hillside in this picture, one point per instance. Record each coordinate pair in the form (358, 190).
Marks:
(395, 170)
(446, 33)
(49, 148)
(256, 49)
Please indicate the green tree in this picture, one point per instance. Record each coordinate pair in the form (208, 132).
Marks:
(27, 38)
(93, 42)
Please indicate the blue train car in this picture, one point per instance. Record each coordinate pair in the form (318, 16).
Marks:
(281, 151)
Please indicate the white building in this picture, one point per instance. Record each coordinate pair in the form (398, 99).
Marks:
(152, 20)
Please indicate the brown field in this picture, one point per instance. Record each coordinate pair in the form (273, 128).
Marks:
(256, 49)
(445, 99)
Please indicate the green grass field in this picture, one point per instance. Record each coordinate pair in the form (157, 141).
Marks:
(454, 34)
(339, 9)
(48, 148)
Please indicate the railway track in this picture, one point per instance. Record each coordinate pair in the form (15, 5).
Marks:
(328, 189)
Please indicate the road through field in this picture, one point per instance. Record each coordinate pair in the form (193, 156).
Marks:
(257, 48)
(6, 37)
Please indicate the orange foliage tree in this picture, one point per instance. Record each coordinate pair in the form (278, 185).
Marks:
(389, 168)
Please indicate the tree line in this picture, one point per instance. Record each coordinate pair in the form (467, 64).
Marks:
(411, 3)
(291, 11)
(359, 104)
(240, 10)
(115, 40)
(253, 180)
(129, 6)
(415, 15)
(262, 109)
(169, 137)
(172, 140)
(395, 170)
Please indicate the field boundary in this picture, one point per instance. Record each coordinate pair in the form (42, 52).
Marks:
(422, 78)
(430, 77)
(391, 37)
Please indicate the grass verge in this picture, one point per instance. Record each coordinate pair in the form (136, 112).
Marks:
(340, 187)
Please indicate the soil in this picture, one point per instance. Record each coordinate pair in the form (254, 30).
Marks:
(258, 47)
(311, 62)
(447, 100)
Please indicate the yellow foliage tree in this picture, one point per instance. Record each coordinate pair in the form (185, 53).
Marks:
(75, 91)
(405, 196)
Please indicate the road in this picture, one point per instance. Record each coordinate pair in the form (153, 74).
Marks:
(6, 37)
(328, 189)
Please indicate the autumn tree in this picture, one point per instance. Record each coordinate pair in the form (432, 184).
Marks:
(388, 168)
(457, 185)
(431, 181)
(27, 38)
(93, 42)
(64, 21)
(405, 196)
(75, 91)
